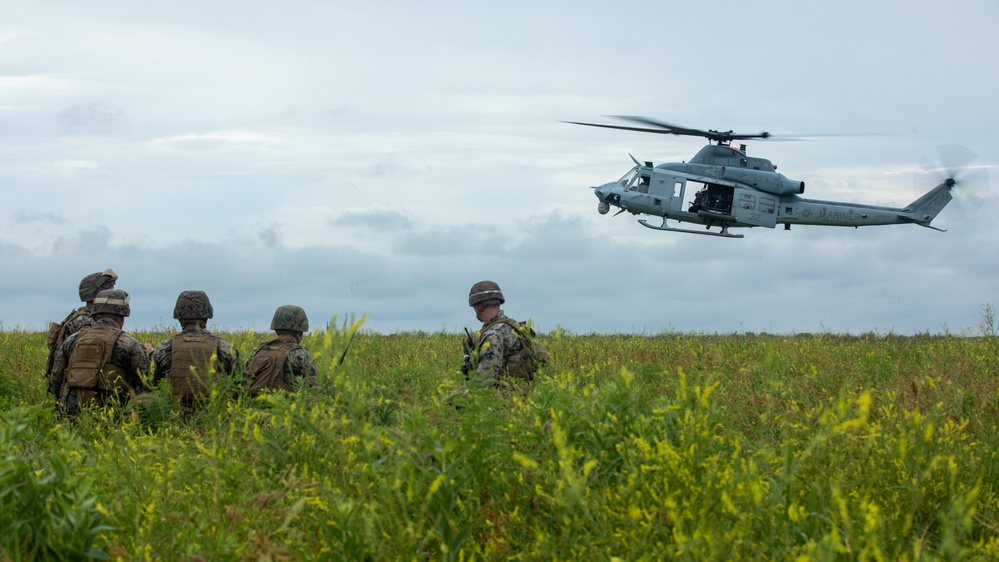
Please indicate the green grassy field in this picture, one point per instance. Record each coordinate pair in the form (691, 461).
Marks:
(685, 446)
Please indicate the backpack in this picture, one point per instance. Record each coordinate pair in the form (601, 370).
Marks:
(90, 360)
(57, 336)
(532, 355)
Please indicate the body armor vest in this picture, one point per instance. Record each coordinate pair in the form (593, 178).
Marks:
(265, 371)
(191, 364)
(524, 363)
(90, 365)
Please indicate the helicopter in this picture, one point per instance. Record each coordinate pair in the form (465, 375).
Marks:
(723, 187)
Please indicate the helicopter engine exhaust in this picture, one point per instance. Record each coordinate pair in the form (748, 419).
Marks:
(777, 184)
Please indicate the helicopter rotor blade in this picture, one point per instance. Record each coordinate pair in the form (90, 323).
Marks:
(621, 127)
(671, 129)
(957, 164)
(663, 128)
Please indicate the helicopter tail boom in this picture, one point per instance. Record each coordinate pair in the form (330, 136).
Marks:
(923, 210)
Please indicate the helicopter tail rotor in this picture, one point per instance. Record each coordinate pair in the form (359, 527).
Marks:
(956, 166)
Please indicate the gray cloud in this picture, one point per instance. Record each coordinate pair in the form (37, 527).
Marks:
(374, 219)
(26, 216)
(85, 242)
(392, 167)
(272, 158)
(814, 281)
(93, 117)
(270, 236)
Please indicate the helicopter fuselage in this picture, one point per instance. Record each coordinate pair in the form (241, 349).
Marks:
(722, 186)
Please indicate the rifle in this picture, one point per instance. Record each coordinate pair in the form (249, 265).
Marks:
(345, 348)
(467, 347)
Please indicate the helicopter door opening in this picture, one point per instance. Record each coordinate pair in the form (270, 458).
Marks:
(709, 197)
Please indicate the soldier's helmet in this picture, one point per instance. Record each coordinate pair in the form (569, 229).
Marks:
(290, 317)
(485, 291)
(95, 283)
(193, 305)
(111, 301)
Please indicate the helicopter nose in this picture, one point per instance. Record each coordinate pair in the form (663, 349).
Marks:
(603, 191)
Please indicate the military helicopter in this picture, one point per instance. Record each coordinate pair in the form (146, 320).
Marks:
(723, 187)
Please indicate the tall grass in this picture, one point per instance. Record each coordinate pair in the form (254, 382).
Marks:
(685, 446)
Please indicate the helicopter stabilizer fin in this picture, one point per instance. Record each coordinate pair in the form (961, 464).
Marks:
(923, 210)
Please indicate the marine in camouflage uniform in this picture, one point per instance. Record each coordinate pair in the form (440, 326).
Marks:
(100, 365)
(194, 350)
(79, 317)
(279, 363)
(504, 349)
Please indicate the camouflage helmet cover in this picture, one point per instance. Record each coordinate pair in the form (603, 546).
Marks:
(290, 317)
(193, 305)
(95, 283)
(111, 301)
(484, 291)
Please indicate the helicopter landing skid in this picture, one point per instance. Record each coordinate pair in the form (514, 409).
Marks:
(724, 233)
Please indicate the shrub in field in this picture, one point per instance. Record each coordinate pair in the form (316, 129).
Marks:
(22, 364)
(48, 510)
(668, 446)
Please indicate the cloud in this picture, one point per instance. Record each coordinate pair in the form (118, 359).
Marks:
(93, 117)
(558, 272)
(65, 169)
(373, 219)
(26, 216)
(391, 167)
(286, 157)
(270, 236)
(85, 242)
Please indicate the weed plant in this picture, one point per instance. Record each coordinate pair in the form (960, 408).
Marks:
(667, 446)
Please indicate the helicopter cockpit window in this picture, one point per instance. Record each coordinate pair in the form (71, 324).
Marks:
(629, 178)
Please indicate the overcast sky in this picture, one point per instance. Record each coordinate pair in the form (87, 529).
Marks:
(380, 157)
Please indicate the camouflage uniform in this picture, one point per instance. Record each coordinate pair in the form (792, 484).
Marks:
(505, 349)
(79, 317)
(263, 371)
(497, 343)
(193, 348)
(76, 320)
(128, 360)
